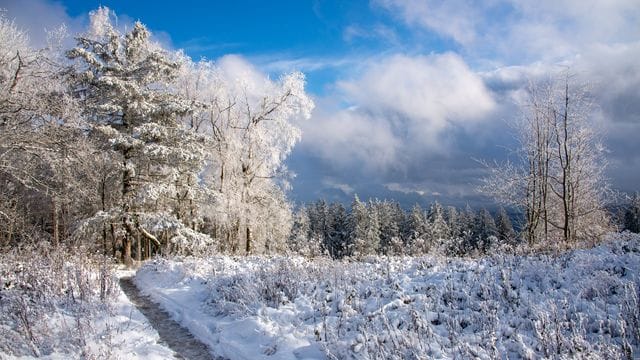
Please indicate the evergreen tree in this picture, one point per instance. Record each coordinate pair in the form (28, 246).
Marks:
(632, 215)
(439, 231)
(466, 230)
(506, 234)
(484, 231)
(417, 231)
(358, 224)
(125, 82)
(338, 234)
(389, 226)
(299, 240)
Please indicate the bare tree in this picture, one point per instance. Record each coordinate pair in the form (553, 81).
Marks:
(558, 178)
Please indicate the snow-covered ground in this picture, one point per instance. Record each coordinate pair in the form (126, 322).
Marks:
(583, 304)
(51, 308)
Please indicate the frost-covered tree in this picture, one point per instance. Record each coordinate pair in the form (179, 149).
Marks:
(558, 179)
(41, 141)
(417, 231)
(251, 121)
(337, 242)
(439, 230)
(302, 241)
(632, 215)
(361, 229)
(504, 227)
(390, 219)
(125, 84)
(484, 235)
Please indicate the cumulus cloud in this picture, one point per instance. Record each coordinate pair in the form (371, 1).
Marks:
(522, 30)
(349, 137)
(426, 92)
(37, 17)
(397, 109)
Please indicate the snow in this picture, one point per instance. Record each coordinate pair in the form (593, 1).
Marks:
(581, 303)
(69, 330)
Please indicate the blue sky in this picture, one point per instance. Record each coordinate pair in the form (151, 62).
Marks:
(409, 93)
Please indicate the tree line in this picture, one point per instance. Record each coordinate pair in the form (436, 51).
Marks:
(383, 227)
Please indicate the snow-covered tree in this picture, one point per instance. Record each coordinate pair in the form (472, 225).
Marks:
(337, 242)
(301, 240)
(558, 179)
(439, 231)
(360, 230)
(506, 234)
(125, 84)
(417, 231)
(41, 140)
(484, 235)
(632, 215)
(390, 219)
(252, 123)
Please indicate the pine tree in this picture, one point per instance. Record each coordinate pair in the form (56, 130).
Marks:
(389, 227)
(300, 240)
(338, 235)
(124, 82)
(484, 231)
(358, 227)
(417, 231)
(506, 234)
(439, 231)
(632, 215)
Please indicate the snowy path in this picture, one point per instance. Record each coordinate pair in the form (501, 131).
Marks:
(171, 333)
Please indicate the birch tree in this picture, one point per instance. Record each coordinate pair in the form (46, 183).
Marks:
(251, 121)
(558, 180)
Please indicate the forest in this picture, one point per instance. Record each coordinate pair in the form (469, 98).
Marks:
(117, 153)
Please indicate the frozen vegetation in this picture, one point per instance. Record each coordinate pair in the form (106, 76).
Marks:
(57, 304)
(580, 304)
(119, 149)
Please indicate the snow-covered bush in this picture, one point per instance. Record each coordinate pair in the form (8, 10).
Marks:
(48, 297)
(583, 303)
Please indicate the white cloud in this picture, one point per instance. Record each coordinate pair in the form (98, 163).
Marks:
(333, 184)
(427, 93)
(454, 18)
(347, 137)
(37, 17)
(523, 30)
(400, 108)
(405, 189)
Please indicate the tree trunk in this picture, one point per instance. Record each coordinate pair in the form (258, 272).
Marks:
(248, 247)
(126, 254)
(54, 219)
(139, 248)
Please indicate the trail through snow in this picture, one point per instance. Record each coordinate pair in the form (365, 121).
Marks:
(171, 333)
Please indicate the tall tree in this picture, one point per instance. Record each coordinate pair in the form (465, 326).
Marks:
(506, 234)
(252, 122)
(558, 180)
(417, 231)
(632, 215)
(124, 81)
(361, 231)
(39, 123)
(484, 231)
(439, 230)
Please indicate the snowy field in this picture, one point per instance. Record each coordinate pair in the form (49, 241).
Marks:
(582, 304)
